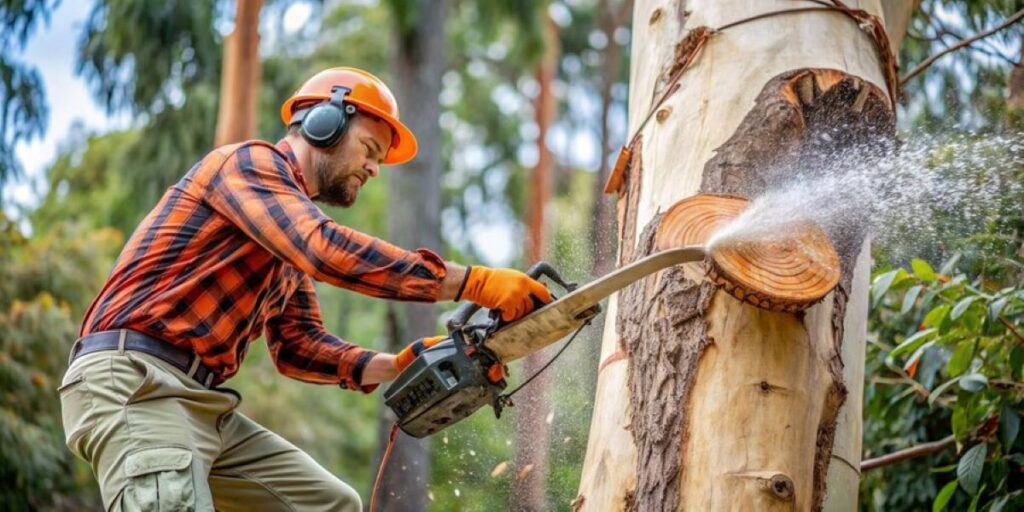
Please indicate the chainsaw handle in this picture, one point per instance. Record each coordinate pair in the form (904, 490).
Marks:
(461, 317)
(543, 268)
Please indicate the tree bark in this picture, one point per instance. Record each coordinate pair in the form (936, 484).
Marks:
(417, 64)
(705, 402)
(240, 77)
(529, 489)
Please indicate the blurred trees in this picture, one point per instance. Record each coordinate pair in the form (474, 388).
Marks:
(486, 134)
(943, 358)
(45, 284)
(163, 65)
(240, 76)
(966, 89)
(23, 108)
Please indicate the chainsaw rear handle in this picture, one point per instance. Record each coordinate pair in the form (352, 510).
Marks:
(461, 317)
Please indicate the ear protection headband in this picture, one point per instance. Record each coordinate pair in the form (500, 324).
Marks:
(323, 124)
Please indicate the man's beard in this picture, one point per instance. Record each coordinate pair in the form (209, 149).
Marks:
(334, 192)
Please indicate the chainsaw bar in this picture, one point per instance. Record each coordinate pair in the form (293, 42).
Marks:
(556, 320)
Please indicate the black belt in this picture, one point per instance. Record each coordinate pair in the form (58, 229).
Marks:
(131, 340)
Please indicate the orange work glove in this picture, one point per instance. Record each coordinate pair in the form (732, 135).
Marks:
(510, 291)
(413, 350)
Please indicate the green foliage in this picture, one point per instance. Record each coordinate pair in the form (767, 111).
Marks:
(162, 64)
(138, 57)
(45, 284)
(23, 109)
(87, 183)
(964, 90)
(952, 367)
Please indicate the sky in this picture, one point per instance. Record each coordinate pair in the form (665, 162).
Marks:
(52, 50)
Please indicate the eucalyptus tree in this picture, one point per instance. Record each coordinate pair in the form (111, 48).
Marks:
(23, 106)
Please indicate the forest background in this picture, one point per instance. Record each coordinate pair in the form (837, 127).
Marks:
(61, 230)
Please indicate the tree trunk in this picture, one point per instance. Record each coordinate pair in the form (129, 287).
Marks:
(417, 64)
(240, 77)
(1015, 93)
(705, 402)
(529, 490)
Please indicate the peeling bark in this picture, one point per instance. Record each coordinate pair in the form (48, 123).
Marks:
(775, 137)
(627, 203)
(730, 406)
(667, 308)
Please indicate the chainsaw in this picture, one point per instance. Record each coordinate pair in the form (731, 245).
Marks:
(453, 379)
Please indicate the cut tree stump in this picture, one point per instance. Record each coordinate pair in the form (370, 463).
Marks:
(784, 273)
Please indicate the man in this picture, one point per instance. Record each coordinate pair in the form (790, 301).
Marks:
(229, 253)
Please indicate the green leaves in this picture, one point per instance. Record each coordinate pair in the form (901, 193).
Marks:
(974, 382)
(960, 361)
(922, 270)
(937, 392)
(968, 471)
(913, 342)
(935, 317)
(944, 496)
(961, 306)
(881, 286)
(910, 299)
(1009, 427)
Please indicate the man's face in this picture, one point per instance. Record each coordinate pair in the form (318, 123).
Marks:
(343, 169)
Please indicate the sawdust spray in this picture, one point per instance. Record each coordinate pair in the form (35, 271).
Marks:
(894, 195)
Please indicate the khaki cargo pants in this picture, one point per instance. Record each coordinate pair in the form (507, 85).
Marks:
(157, 440)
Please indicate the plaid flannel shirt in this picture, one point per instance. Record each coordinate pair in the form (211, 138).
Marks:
(231, 251)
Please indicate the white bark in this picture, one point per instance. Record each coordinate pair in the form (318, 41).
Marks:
(737, 435)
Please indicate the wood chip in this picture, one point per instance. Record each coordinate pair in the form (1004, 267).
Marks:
(500, 469)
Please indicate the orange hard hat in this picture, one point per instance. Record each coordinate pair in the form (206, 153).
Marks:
(369, 94)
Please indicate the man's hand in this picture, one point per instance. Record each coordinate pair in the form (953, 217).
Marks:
(413, 350)
(510, 291)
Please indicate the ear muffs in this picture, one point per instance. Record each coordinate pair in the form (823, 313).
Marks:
(323, 124)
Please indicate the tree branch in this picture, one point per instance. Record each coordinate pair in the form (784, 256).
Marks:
(908, 453)
(1009, 325)
(963, 42)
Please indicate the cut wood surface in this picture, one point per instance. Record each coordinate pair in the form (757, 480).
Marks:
(788, 272)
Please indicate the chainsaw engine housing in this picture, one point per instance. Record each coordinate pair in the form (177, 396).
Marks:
(441, 387)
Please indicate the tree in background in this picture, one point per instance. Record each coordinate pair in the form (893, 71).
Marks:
(45, 284)
(240, 76)
(417, 62)
(531, 430)
(23, 108)
(940, 422)
(163, 66)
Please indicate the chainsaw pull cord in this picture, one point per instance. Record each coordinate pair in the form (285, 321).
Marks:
(383, 462)
(508, 396)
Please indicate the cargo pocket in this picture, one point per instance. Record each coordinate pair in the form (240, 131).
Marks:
(75, 411)
(159, 480)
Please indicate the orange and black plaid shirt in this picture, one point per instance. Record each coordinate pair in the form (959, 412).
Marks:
(231, 252)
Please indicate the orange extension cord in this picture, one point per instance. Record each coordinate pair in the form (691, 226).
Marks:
(383, 463)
